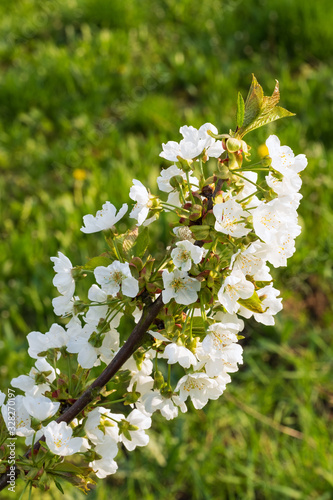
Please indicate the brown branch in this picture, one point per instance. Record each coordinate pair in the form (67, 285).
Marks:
(130, 346)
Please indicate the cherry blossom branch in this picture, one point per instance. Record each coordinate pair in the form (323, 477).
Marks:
(130, 346)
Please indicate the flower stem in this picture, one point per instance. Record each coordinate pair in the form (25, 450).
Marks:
(164, 203)
(189, 187)
(250, 195)
(248, 180)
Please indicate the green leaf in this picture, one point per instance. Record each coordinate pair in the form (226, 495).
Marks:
(69, 467)
(262, 284)
(273, 115)
(253, 102)
(101, 260)
(200, 232)
(254, 303)
(142, 243)
(261, 110)
(58, 485)
(130, 238)
(198, 326)
(240, 110)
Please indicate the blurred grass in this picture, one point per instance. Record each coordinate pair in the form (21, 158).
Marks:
(89, 90)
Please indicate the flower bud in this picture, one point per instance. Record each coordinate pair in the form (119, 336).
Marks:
(176, 181)
(186, 165)
(158, 380)
(233, 145)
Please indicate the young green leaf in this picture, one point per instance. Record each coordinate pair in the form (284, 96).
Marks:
(98, 261)
(254, 303)
(240, 110)
(260, 109)
(142, 242)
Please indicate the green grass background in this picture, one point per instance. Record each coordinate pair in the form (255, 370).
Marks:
(98, 85)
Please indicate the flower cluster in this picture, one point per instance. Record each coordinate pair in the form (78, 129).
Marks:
(231, 220)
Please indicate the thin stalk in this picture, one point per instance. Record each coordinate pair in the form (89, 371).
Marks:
(250, 195)
(105, 403)
(164, 203)
(248, 169)
(21, 496)
(201, 168)
(232, 243)
(251, 182)
(189, 187)
(117, 252)
(169, 375)
(209, 250)
(191, 323)
(182, 195)
(186, 320)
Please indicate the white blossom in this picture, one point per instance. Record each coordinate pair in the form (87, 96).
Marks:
(288, 186)
(140, 194)
(234, 287)
(59, 439)
(64, 305)
(251, 260)
(200, 388)
(63, 280)
(117, 276)
(137, 437)
(168, 407)
(218, 336)
(146, 366)
(273, 218)
(185, 254)
(175, 353)
(163, 181)
(105, 466)
(16, 416)
(40, 407)
(194, 142)
(271, 304)
(283, 158)
(228, 218)
(231, 321)
(56, 337)
(87, 354)
(104, 219)
(184, 233)
(2, 398)
(31, 384)
(180, 286)
(101, 423)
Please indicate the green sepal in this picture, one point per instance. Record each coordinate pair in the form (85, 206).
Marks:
(206, 295)
(196, 211)
(254, 303)
(262, 284)
(209, 219)
(137, 262)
